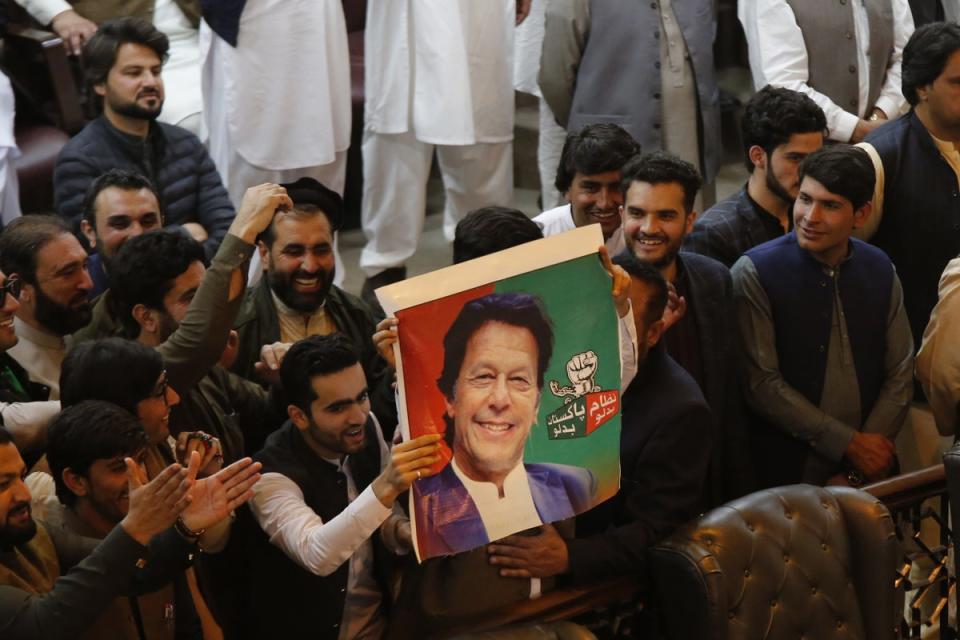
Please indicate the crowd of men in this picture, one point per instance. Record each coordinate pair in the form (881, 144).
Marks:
(192, 447)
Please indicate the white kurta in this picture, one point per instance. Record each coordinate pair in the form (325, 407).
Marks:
(9, 193)
(441, 69)
(284, 91)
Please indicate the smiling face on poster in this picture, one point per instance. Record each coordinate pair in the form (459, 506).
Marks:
(519, 368)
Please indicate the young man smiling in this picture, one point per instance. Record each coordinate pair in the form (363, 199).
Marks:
(589, 178)
(828, 365)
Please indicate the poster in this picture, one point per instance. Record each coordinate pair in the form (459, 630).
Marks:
(515, 358)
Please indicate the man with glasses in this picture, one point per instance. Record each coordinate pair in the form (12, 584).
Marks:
(24, 409)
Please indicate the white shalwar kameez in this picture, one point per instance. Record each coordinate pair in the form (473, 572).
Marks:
(439, 76)
(277, 106)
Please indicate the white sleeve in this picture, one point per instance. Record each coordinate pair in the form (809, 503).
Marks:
(778, 56)
(627, 331)
(44, 11)
(295, 528)
(891, 100)
(28, 421)
(395, 530)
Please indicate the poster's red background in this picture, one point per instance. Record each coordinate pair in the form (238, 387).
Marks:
(421, 331)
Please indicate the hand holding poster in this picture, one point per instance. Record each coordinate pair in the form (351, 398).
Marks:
(515, 358)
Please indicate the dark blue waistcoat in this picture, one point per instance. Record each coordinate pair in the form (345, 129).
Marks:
(920, 229)
(285, 600)
(801, 301)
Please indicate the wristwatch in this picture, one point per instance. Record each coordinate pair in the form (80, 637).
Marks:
(855, 478)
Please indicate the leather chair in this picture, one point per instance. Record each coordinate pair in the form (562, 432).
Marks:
(562, 630)
(790, 562)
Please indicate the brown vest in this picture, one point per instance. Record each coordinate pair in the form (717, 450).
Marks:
(102, 10)
(831, 39)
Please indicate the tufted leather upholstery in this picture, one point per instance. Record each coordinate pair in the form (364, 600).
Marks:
(786, 563)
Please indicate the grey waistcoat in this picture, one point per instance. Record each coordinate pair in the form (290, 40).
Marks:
(619, 76)
(831, 39)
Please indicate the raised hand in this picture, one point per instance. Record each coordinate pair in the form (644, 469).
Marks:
(215, 497)
(271, 357)
(675, 309)
(581, 370)
(155, 505)
(209, 448)
(73, 29)
(409, 461)
(384, 339)
(621, 283)
(259, 205)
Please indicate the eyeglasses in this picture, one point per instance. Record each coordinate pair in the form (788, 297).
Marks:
(11, 286)
(162, 387)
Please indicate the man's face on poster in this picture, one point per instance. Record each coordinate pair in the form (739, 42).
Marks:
(495, 400)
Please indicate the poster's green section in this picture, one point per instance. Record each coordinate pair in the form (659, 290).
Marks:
(577, 298)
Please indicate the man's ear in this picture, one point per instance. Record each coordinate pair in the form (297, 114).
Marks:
(147, 318)
(688, 225)
(264, 252)
(448, 407)
(758, 157)
(654, 333)
(75, 482)
(100, 88)
(89, 232)
(27, 292)
(861, 215)
(297, 417)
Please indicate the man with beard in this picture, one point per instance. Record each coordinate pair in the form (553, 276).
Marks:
(588, 176)
(297, 297)
(45, 256)
(35, 603)
(154, 280)
(120, 204)
(779, 128)
(87, 446)
(122, 65)
(659, 190)
(325, 512)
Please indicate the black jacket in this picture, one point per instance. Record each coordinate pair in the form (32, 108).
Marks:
(173, 158)
(257, 324)
(665, 448)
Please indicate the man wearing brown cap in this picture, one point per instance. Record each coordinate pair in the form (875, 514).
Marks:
(296, 297)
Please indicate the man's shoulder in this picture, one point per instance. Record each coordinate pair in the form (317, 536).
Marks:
(568, 474)
(704, 269)
(556, 220)
(89, 143)
(732, 210)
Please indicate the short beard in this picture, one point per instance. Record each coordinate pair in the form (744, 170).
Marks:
(60, 319)
(12, 537)
(135, 111)
(282, 286)
(777, 189)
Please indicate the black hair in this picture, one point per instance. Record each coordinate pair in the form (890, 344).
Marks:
(514, 308)
(596, 148)
(490, 229)
(119, 178)
(925, 56)
(84, 433)
(323, 201)
(314, 356)
(655, 282)
(100, 51)
(774, 114)
(842, 169)
(115, 370)
(144, 269)
(23, 239)
(6, 437)
(660, 167)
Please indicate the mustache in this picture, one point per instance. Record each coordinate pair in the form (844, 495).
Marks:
(18, 508)
(655, 236)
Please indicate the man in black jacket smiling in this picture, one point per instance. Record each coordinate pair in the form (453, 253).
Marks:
(122, 65)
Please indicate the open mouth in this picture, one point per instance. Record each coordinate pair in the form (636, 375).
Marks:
(604, 215)
(650, 242)
(308, 284)
(6, 323)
